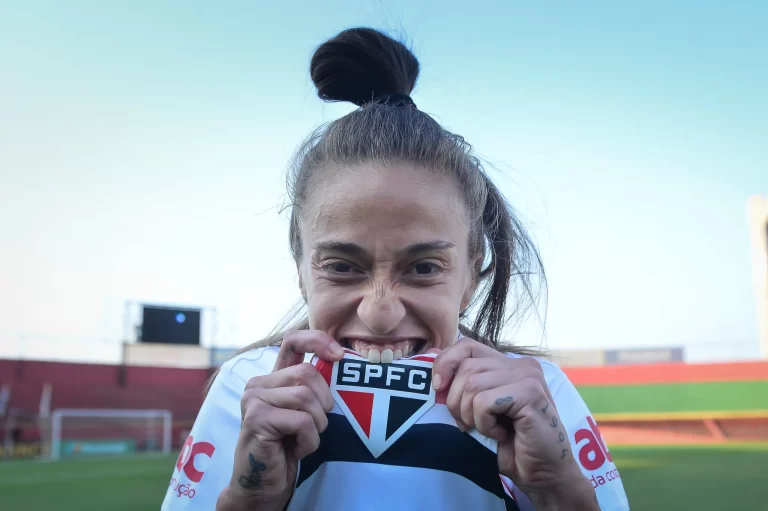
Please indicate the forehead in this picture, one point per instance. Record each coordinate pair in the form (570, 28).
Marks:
(393, 207)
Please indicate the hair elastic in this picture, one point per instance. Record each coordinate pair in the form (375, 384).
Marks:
(395, 99)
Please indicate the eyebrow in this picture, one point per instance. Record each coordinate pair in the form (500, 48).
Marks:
(349, 249)
(354, 250)
(430, 246)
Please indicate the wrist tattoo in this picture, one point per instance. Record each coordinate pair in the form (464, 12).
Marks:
(565, 453)
(544, 410)
(561, 437)
(554, 422)
(253, 480)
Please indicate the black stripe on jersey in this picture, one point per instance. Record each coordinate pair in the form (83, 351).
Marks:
(432, 446)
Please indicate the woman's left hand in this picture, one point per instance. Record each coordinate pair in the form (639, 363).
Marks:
(507, 399)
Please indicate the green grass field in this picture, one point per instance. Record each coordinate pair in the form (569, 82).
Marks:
(732, 478)
(677, 397)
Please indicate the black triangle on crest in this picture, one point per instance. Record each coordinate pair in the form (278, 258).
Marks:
(400, 410)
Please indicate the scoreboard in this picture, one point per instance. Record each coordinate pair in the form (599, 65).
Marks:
(170, 325)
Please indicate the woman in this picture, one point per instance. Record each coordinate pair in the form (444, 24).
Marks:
(397, 234)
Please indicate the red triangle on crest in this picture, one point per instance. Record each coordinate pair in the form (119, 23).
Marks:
(361, 406)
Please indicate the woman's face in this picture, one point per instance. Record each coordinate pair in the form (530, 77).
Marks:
(385, 268)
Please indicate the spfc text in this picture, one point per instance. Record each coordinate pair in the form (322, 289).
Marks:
(403, 378)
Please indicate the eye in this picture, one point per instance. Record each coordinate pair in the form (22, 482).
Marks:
(425, 269)
(338, 268)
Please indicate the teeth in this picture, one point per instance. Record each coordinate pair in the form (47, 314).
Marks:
(384, 354)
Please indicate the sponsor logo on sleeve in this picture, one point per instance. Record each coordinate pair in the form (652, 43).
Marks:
(189, 464)
(594, 455)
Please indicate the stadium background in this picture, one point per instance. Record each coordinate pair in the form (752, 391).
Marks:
(140, 144)
(681, 433)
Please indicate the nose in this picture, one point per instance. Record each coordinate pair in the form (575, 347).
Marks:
(381, 310)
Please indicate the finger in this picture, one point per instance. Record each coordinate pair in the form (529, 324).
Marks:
(538, 373)
(511, 401)
(293, 398)
(480, 382)
(304, 374)
(456, 390)
(467, 368)
(283, 423)
(297, 343)
(517, 369)
(448, 361)
(490, 379)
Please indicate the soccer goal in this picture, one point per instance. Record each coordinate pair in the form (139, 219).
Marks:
(96, 432)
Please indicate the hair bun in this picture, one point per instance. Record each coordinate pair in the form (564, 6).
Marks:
(361, 63)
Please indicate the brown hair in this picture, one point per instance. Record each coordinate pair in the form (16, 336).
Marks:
(368, 68)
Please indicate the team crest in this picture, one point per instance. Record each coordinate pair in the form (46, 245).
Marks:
(382, 401)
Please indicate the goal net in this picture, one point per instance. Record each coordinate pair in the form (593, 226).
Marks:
(95, 432)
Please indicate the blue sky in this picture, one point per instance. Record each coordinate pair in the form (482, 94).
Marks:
(143, 146)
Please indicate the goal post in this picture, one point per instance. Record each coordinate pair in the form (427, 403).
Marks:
(109, 432)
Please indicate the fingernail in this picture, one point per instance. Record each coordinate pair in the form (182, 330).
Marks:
(336, 350)
(437, 380)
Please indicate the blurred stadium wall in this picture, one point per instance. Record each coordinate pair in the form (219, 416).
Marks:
(637, 395)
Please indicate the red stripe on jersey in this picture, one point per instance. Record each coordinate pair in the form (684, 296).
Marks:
(507, 488)
(326, 370)
(422, 358)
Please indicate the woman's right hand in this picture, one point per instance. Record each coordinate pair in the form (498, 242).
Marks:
(283, 415)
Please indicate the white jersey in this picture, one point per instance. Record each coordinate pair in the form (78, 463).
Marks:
(432, 466)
